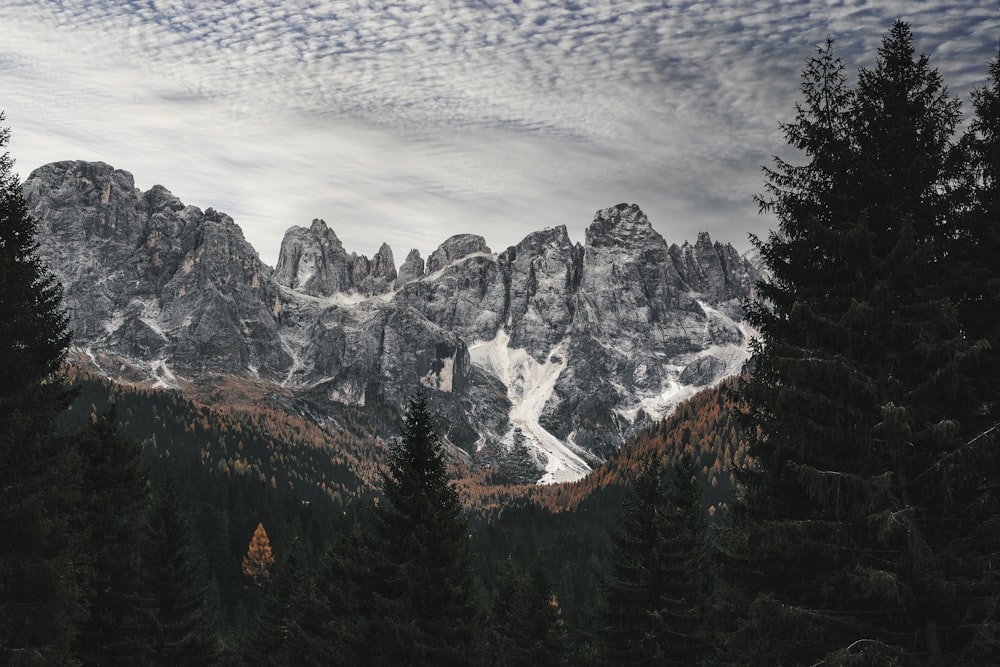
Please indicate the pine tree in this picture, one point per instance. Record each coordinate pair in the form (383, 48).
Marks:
(978, 535)
(115, 513)
(181, 632)
(653, 608)
(343, 586)
(288, 627)
(421, 573)
(527, 622)
(857, 505)
(259, 560)
(978, 246)
(41, 568)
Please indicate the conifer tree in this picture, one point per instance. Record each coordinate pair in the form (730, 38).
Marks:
(978, 245)
(41, 567)
(288, 628)
(259, 559)
(653, 607)
(181, 628)
(527, 624)
(116, 513)
(343, 586)
(979, 311)
(421, 573)
(858, 504)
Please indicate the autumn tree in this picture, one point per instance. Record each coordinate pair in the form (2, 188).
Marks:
(866, 508)
(41, 566)
(259, 560)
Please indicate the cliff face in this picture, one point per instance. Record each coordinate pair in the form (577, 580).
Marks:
(565, 348)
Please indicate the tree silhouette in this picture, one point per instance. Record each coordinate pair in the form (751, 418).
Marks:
(868, 501)
(422, 574)
(41, 568)
(654, 608)
(115, 513)
(181, 626)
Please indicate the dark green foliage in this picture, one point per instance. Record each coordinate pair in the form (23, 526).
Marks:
(180, 626)
(654, 608)
(976, 248)
(33, 328)
(114, 514)
(422, 584)
(342, 586)
(862, 508)
(527, 623)
(288, 630)
(40, 566)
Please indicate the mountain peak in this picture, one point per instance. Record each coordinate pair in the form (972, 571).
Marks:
(454, 248)
(621, 225)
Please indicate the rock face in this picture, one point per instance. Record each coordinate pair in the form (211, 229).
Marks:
(314, 262)
(149, 278)
(550, 347)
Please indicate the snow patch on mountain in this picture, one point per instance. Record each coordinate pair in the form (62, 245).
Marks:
(529, 387)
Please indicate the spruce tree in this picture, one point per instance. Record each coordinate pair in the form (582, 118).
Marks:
(979, 311)
(41, 565)
(115, 513)
(857, 508)
(288, 627)
(421, 574)
(527, 625)
(181, 630)
(978, 245)
(343, 586)
(653, 611)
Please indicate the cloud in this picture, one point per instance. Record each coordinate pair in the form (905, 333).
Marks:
(407, 122)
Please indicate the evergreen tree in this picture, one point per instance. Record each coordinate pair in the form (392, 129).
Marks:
(977, 245)
(653, 608)
(858, 506)
(115, 513)
(343, 586)
(288, 628)
(41, 567)
(181, 632)
(527, 622)
(421, 571)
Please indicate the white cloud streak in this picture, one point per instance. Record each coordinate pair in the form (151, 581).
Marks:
(407, 122)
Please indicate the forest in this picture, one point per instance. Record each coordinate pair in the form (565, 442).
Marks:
(836, 504)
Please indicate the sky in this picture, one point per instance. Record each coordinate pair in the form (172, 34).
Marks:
(408, 122)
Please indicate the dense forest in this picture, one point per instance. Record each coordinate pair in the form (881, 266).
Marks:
(838, 504)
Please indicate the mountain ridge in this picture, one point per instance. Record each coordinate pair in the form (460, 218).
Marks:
(558, 348)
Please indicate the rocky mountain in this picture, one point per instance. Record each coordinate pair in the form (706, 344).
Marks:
(550, 348)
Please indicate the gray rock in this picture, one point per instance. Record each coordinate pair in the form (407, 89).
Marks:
(456, 247)
(544, 356)
(150, 279)
(703, 371)
(544, 273)
(412, 268)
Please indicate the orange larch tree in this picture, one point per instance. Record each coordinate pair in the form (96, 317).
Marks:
(259, 560)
